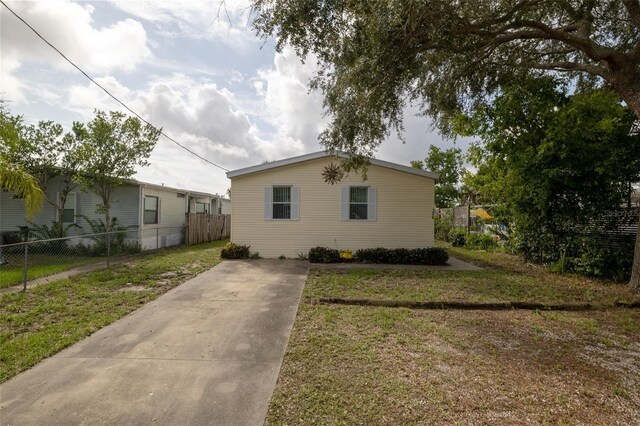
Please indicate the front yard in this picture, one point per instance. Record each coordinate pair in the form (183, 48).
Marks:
(44, 320)
(352, 364)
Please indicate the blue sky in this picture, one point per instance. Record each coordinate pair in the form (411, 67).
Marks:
(207, 80)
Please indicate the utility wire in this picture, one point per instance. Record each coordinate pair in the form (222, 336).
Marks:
(107, 92)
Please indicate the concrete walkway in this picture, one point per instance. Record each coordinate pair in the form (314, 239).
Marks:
(207, 352)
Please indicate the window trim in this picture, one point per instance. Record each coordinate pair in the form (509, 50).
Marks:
(157, 210)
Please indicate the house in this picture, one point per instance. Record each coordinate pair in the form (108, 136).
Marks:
(285, 207)
(155, 214)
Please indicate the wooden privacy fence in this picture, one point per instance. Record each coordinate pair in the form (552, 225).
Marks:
(202, 228)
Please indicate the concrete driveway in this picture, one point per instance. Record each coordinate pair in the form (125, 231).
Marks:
(207, 352)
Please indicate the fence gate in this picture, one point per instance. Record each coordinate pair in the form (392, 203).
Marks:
(202, 228)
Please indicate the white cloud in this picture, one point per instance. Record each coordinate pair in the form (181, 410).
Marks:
(224, 21)
(294, 112)
(70, 27)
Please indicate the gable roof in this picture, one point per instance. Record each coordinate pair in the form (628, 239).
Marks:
(323, 154)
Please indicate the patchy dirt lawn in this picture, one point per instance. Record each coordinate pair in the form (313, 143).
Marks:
(364, 365)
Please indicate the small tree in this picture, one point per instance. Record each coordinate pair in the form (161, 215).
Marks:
(41, 151)
(110, 147)
(448, 164)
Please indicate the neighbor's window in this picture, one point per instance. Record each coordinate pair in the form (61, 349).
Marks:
(150, 210)
(358, 202)
(201, 207)
(69, 211)
(282, 202)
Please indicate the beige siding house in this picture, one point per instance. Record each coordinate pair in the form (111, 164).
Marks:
(285, 207)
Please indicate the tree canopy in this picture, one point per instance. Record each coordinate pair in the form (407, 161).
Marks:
(559, 163)
(448, 164)
(375, 56)
(111, 145)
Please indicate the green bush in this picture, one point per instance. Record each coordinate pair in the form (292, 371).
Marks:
(480, 242)
(403, 256)
(324, 255)
(597, 261)
(457, 237)
(235, 251)
(442, 227)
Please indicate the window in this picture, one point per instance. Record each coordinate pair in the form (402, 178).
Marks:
(281, 202)
(201, 207)
(69, 209)
(150, 210)
(358, 202)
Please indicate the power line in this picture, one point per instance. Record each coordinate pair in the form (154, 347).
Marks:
(106, 91)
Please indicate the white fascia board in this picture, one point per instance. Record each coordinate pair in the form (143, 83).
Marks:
(323, 154)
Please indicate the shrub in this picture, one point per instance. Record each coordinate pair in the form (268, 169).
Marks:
(235, 251)
(442, 227)
(419, 256)
(480, 242)
(374, 255)
(457, 237)
(324, 255)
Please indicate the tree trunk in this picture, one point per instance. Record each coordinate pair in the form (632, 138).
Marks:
(630, 93)
(634, 282)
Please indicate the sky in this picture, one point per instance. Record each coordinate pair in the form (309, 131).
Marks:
(194, 68)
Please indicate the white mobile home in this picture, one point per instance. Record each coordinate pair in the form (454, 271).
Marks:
(154, 213)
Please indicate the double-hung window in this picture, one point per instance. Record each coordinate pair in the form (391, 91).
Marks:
(69, 209)
(282, 202)
(358, 203)
(150, 210)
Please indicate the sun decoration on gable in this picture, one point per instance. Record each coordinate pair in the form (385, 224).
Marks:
(332, 173)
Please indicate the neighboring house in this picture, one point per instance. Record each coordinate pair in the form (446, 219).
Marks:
(154, 213)
(285, 207)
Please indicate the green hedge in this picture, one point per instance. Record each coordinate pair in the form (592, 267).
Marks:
(480, 242)
(403, 256)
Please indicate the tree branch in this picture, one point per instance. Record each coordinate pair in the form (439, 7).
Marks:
(572, 66)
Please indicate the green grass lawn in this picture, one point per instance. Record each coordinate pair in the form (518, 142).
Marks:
(44, 320)
(489, 285)
(40, 265)
(379, 365)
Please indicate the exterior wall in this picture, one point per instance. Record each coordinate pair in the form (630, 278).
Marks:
(404, 211)
(171, 218)
(125, 205)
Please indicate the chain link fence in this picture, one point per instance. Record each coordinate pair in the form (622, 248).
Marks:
(31, 259)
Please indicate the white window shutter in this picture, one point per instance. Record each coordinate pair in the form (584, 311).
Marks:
(295, 203)
(344, 211)
(268, 203)
(371, 213)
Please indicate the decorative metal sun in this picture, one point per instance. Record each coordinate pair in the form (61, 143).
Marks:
(332, 173)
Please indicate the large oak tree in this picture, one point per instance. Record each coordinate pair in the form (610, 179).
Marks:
(450, 56)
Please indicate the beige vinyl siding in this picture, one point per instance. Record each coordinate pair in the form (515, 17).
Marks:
(403, 211)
